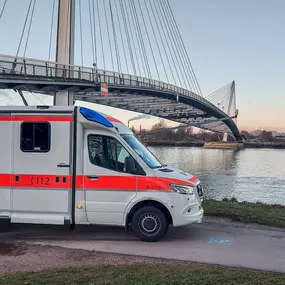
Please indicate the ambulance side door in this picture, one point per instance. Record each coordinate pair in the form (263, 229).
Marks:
(108, 186)
(41, 183)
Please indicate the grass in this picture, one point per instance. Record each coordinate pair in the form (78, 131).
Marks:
(263, 214)
(153, 274)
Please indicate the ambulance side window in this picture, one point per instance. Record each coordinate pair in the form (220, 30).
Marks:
(35, 137)
(107, 152)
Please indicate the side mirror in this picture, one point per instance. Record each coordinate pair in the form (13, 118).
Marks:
(130, 165)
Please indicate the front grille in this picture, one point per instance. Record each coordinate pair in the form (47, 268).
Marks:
(200, 190)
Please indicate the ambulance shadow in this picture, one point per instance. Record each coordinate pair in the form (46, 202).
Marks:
(29, 232)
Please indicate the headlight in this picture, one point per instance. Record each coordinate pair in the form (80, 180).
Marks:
(182, 189)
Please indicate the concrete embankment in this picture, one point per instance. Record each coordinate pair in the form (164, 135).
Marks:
(219, 145)
(280, 145)
(174, 143)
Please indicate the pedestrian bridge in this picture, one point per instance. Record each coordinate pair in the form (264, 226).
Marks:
(125, 91)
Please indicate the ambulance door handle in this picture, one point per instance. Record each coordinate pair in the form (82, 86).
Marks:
(63, 165)
(93, 177)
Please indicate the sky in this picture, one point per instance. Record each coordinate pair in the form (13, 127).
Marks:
(226, 40)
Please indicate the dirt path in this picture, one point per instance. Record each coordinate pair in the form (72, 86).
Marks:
(20, 257)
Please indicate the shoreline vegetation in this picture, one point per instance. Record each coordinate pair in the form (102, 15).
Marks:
(245, 212)
(271, 145)
(161, 134)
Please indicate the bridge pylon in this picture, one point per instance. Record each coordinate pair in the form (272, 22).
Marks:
(65, 45)
(231, 108)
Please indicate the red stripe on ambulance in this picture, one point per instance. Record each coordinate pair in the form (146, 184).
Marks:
(110, 182)
(36, 118)
(5, 180)
(88, 182)
(113, 120)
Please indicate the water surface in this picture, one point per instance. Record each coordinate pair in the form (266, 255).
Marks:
(248, 175)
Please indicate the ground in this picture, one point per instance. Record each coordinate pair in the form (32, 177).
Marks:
(218, 251)
(215, 241)
(20, 257)
(27, 264)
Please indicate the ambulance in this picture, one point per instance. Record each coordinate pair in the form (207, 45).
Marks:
(76, 166)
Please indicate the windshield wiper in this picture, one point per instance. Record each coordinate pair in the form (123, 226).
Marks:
(159, 166)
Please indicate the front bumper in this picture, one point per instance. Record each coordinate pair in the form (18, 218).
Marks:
(186, 210)
(194, 216)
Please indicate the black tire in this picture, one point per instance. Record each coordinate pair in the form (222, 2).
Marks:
(149, 224)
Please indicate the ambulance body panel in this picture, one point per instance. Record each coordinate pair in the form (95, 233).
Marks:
(75, 165)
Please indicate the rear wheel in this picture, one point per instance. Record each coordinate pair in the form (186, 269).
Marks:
(149, 224)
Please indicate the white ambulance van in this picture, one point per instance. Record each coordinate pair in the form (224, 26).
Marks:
(77, 166)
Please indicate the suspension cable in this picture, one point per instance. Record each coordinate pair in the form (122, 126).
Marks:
(91, 30)
(128, 37)
(136, 32)
(51, 30)
(149, 42)
(81, 38)
(226, 96)
(132, 38)
(162, 41)
(155, 37)
(215, 97)
(122, 39)
(34, 94)
(181, 50)
(115, 40)
(215, 92)
(3, 8)
(174, 45)
(29, 30)
(100, 31)
(141, 39)
(20, 43)
(137, 45)
(167, 43)
(110, 46)
(177, 43)
(184, 48)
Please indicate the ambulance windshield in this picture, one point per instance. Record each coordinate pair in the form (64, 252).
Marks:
(142, 151)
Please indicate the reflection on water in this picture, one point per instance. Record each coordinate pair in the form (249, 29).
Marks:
(248, 175)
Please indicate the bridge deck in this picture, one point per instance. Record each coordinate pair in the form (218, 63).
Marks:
(165, 100)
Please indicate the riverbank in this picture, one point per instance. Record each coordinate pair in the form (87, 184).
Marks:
(146, 274)
(258, 213)
(274, 145)
(249, 145)
(173, 143)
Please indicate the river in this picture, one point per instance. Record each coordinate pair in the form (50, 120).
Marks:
(248, 175)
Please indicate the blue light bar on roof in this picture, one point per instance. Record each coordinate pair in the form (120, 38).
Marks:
(93, 116)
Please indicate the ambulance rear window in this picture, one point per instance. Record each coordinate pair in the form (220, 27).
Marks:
(35, 137)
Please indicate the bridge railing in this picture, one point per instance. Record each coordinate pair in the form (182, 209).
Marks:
(19, 66)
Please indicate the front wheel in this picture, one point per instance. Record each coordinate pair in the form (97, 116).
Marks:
(149, 224)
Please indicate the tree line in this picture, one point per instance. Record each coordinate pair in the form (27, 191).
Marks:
(162, 132)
